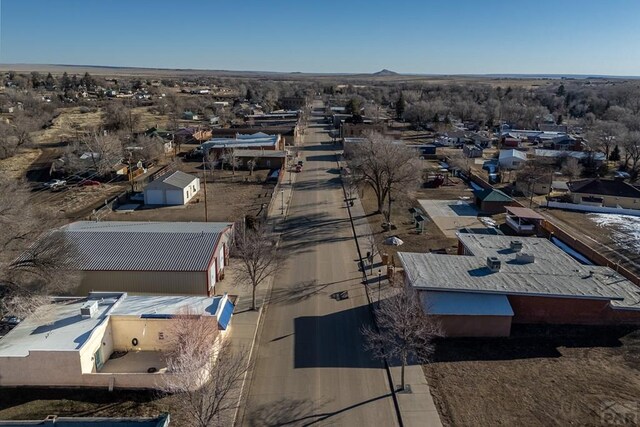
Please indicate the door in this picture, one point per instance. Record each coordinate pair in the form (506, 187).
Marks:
(97, 357)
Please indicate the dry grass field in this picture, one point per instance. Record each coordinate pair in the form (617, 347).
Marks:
(540, 376)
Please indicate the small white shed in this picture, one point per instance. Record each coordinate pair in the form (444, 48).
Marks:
(176, 188)
(512, 159)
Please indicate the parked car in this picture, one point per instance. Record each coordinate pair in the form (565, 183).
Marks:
(298, 168)
(89, 182)
(300, 163)
(55, 183)
(10, 320)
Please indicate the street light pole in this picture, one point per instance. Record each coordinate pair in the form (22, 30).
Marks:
(379, 285)
(282, 199)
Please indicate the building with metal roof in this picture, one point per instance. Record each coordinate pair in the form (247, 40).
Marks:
(256, 141)
(175, 188)
(184, 258)
(107, 339)
(541, 282)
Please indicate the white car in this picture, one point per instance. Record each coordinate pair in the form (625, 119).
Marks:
(55, 183)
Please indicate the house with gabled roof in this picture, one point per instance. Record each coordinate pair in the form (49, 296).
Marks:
(604, 192)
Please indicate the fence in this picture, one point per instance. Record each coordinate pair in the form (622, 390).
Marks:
(584, 249)
(110, 205)
(594, 209)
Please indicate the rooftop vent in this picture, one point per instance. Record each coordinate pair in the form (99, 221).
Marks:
(516, 245)
(523, 258)
(89, 309)
(493, 263)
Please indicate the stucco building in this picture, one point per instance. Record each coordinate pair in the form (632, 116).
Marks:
(107, 339)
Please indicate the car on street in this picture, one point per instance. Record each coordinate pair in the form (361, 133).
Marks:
(89, 182)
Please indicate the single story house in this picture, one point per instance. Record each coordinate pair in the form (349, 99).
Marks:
(169, 258)
(604, 192)
(511, 159)
(106, 340)
(597, 158)
(264, 159)
(175, 188)
(490, 201)
(472, 150)
(257, 141)
(495, 281)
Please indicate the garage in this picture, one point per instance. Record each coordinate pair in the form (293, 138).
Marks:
(172, 189)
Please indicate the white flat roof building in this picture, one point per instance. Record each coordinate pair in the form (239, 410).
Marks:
(70, 342)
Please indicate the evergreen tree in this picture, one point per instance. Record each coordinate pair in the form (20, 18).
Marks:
(354, 106)
(65, 81)
(49, 81)
(561, 91)
(400, 106)
(615, 154)
(436, 118)
(559, 119)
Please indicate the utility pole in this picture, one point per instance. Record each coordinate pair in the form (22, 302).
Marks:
(379, 285)
(204, 183)
(282, 199)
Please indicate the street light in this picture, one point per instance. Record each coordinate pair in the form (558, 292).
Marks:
(379, 284)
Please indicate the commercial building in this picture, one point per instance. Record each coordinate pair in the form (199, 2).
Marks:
(496, 280)
(107, 339)
(169, 258)
(175, 188)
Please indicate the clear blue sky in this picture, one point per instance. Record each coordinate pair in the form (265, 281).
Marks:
(419, 36)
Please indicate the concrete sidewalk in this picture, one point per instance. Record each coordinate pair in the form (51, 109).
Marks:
(417, 408)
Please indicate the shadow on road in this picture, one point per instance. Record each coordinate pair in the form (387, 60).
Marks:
(333, 340)
(299, 412)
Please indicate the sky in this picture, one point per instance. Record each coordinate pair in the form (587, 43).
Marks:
(592, 37)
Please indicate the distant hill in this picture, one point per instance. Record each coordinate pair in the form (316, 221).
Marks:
(385, 73)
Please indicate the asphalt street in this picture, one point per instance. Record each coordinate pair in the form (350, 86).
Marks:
(311, 367)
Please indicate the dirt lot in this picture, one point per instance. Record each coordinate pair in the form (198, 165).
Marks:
(540, 376)
(431, 239)
(229, 197)
(28, 403)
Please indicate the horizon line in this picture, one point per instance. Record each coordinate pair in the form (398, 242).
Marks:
(339, 73)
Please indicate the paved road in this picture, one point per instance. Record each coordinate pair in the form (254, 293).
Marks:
(310, 366)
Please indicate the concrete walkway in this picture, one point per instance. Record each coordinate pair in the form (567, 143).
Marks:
(417, 408)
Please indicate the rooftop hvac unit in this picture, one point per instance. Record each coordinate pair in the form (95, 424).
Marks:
(493, 263)
(523, 258)
(89, 309)
(516, 245)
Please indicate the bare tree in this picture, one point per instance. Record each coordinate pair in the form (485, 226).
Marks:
(203, 369)
(631, 145)
(404, 330)
(606, 134)
(257, 257)
(572, 168)
(101, 152)
(251, 164)
(386, 167)
(34, 261)
(231, 159)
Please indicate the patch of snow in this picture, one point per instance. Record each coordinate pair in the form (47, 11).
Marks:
(624, 229)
